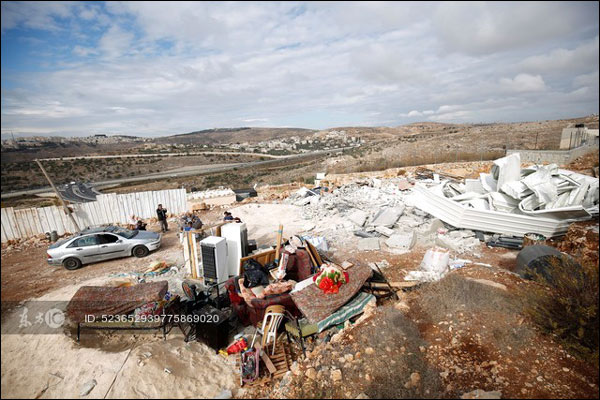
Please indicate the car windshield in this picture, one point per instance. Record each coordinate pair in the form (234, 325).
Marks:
(126, 233)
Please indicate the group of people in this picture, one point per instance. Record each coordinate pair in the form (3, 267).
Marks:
(136, 223)
(189, 221)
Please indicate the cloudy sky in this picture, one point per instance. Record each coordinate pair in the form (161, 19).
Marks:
(163, 68)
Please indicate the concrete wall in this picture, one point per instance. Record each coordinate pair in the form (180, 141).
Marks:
(108, 209)
(575, 137)
(559, 157)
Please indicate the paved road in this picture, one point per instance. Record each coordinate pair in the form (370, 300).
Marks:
(200, 170)
(183, 154)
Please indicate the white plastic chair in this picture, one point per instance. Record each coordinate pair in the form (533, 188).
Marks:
(270, 324)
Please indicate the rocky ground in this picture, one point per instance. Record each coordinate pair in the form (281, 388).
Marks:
(458, 337)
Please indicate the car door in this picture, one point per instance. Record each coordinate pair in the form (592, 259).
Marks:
(111, 246)
(85, 248)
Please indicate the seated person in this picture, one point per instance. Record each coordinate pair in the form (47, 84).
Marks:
(196, 222)
(229, 217)
(188, 227)
(141, 225)
(132, 222)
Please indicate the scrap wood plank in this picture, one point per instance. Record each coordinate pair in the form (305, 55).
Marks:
(266, 359)
(268, 363)
(395, 285)
(279, 240)
(312, 249)
(312, 258)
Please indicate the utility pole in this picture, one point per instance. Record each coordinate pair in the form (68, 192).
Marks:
(67, 211)
(536, 138)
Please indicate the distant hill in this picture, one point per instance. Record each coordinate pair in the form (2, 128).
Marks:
(233, 135)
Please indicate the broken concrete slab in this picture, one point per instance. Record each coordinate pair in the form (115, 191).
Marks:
(388, 216)
(368, 244)
(404, 184)
(410, 221)
(358, 217)
(387, 232)
(458, 241)
(402, 241)
(435, 226)
(365, 234)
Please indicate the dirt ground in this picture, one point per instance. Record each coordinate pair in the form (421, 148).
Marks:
(26, 274)
(439, 339)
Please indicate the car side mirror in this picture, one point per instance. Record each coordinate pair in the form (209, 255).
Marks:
(119, 241)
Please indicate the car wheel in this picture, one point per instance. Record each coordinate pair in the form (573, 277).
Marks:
(72, 263)
(140, 251)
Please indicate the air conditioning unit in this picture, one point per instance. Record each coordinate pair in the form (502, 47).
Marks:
(214, 259)
(236, 235)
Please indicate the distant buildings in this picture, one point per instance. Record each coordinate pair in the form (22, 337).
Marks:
(43, 141)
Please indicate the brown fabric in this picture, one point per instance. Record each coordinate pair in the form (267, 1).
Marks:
(104, 300)
(316, 305)
(299, 266)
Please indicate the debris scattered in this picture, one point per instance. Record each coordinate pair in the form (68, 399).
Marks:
(88, 387)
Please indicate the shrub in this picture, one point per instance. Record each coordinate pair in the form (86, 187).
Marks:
(565, 304)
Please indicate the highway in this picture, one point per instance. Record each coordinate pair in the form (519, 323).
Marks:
(182, 154)
(200, 170)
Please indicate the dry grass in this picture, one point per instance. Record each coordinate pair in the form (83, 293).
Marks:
(498, 310)
(566, 306)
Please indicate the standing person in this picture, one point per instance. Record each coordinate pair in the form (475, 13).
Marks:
(162, 218)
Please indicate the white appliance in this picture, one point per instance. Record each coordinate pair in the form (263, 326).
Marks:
(214, 259)
(236, 235)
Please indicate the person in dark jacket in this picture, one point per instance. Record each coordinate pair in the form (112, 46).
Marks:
(162, 218)
(141, 225)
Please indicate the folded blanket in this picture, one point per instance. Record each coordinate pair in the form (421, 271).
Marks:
(105, 300)
(316, 305)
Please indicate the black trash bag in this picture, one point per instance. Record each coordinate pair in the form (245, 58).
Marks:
(270, 266)
(255, 274)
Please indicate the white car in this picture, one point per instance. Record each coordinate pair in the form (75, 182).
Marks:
(103, 243)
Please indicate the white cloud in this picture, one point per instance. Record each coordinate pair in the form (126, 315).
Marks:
(590, 80)
(487, 27)
(157, 68)
(524, 83)
(412, 114)
(581, 58)
(35, 14)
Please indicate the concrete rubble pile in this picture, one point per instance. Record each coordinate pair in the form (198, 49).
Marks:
(373, 214)
(512, 200)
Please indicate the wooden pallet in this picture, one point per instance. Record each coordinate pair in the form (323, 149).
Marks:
(280, 361)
